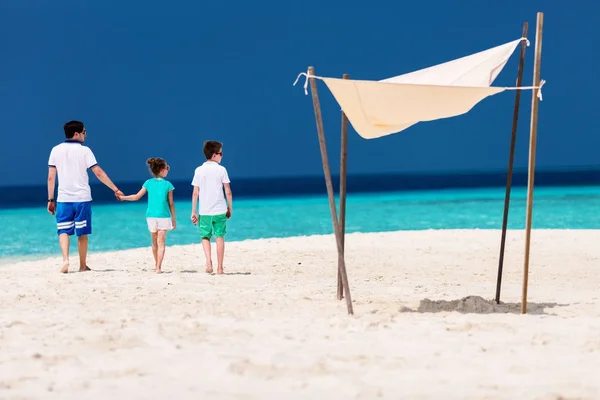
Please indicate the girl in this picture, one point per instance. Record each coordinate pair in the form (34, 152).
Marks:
(160, 214)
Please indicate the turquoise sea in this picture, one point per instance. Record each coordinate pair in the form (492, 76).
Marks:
(30, 232)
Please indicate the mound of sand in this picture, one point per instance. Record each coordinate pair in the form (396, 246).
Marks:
(477, 305)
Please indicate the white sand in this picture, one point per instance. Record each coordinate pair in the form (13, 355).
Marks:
(273, 329)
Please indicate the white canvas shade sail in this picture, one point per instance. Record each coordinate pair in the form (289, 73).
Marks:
(380, 108)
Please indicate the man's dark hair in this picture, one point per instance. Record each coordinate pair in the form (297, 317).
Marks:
(211, 148)
(72, 127)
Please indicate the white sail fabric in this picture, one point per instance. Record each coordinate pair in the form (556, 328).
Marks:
(379, 108)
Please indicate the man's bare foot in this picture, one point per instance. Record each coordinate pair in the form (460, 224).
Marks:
(85, 268)
(219, 271)
(159, 271)
(65, 267)
(209, 268)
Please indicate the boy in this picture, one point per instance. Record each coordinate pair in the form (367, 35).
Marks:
(209, 180)
(71, 160)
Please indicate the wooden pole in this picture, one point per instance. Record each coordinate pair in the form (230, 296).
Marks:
(329, 184)
(532, 146)
(343, 173)
(511, 159)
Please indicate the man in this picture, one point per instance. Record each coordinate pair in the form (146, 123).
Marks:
(73, 206)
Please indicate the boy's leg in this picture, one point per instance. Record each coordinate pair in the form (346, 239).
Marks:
(160, 254)
(65, 226)
(205, 225)
(220, 253)
(220, 225)
(207, 254)
(83, 228)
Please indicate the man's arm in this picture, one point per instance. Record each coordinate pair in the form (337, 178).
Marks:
(101, 175)
(51, 185)
(195, 204)
(229, 197)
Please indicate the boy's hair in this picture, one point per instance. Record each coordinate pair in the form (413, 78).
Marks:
(72, 127)
(211, 148)
(156, 165)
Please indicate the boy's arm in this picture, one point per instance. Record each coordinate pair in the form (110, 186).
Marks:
(133, 197)
(172, 208)
(195, 204)
(51, 185)
(229, 197)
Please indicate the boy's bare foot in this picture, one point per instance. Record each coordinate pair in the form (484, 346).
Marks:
(85, 268)
(65, 267)
(209, 269)
(219, 271)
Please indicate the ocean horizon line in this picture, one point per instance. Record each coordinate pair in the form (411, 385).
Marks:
(25, 196)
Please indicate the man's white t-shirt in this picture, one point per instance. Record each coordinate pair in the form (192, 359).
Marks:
(210, 177)
(72, 161)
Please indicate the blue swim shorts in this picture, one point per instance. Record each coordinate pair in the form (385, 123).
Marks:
(74, 218)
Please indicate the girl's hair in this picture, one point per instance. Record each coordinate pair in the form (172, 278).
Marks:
(156, 165)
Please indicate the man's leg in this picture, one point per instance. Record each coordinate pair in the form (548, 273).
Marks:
(63, 240)
(82, 246)
(65, 224)
(83, 228)
(205, 225)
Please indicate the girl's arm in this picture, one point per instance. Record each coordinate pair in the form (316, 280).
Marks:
(134, 197)
(172, 207)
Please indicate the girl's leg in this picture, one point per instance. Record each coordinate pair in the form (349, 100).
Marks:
(154, 236)
(160, 254)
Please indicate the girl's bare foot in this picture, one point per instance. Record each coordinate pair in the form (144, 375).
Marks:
(219, 271)
(158, 271)
(84, 268)
(65, 267)
(209, 268)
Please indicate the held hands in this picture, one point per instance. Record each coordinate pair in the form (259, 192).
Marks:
(119, 195)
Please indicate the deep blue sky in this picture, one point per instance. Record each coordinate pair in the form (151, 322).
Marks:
(154, 78)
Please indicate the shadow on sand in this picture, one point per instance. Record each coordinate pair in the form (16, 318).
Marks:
(234, 273)
(479, 305)
(193, 271)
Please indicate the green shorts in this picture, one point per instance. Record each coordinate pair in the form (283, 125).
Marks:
(213, 223)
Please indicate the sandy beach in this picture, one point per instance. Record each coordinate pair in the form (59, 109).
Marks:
(271, 328)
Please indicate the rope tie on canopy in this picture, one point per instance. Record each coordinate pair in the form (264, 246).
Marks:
(306, 74)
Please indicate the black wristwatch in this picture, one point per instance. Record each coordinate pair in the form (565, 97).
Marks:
(50, 200)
